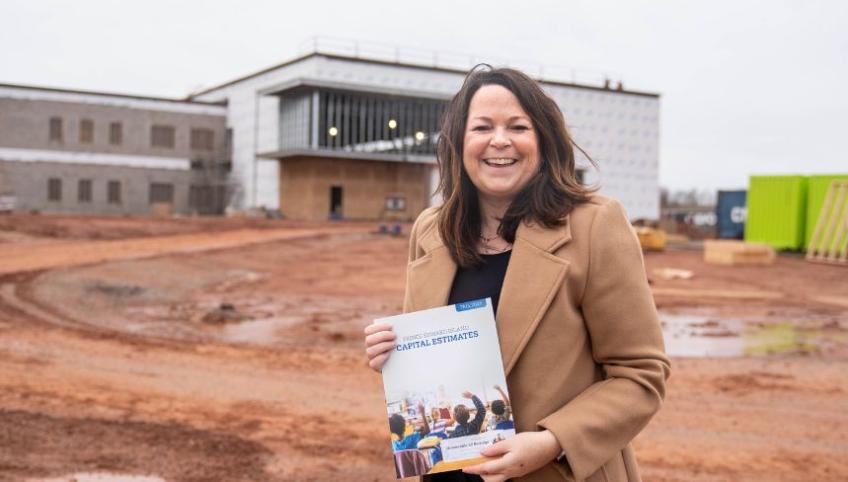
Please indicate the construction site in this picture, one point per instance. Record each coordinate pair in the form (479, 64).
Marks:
(184, 282)
(199, 349)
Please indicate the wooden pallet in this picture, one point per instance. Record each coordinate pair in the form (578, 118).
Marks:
(735, 253)
(829, 243)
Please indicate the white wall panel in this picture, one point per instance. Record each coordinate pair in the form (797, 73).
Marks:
(268, 117)
(618, 129)
(268, 184)
(68, 157)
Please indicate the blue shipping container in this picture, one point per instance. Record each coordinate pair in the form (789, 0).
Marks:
(731, 211)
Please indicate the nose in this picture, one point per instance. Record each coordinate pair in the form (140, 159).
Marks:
(500, 138)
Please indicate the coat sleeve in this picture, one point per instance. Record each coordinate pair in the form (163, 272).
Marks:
(414, 253)
(621, 318)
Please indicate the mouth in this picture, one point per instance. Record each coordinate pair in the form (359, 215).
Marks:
(500, 161)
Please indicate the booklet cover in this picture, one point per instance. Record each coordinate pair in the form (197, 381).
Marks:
(445, 388)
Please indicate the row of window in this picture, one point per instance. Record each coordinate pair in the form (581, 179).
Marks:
(159, 191)
(160, 135)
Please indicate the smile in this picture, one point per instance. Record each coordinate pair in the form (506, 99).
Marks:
(500, 162)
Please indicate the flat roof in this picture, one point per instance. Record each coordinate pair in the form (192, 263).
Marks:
(406, 65)
(284, 154)
(108, 94)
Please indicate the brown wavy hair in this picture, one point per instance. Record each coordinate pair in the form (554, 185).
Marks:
(549, 196)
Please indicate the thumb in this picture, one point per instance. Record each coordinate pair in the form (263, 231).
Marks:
(496, 450)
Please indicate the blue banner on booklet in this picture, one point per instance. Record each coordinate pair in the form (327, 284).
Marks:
(470, 305)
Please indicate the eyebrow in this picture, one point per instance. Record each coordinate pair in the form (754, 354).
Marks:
(515, 117)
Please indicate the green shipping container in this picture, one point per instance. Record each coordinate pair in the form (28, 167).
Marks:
(817, 188)
(777, 211)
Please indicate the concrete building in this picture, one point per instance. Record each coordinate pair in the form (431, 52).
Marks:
(64, 151)
(321, 136)
(338, 135)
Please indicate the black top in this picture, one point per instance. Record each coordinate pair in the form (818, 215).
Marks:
(484, 281)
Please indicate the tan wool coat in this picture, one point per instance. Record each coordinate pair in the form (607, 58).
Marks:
(579, 333)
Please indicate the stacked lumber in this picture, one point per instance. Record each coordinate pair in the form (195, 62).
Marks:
(732, 253)
(829, 243)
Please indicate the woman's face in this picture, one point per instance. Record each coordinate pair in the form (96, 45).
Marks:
(501, 148)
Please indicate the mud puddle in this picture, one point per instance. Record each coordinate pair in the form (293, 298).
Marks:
(267, 332)
(720, 335)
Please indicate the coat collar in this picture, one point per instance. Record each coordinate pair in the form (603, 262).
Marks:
(548, 240)
(532, 279)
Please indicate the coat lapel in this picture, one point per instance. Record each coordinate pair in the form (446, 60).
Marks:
(431, 276)
(532, 280)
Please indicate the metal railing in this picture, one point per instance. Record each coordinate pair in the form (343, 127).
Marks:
(453, 60)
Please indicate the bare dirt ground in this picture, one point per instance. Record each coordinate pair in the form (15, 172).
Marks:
(241, 360)
(17, 226)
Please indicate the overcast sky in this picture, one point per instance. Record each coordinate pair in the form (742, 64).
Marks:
(747, 86)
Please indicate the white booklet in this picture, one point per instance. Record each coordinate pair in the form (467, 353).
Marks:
(445, 388)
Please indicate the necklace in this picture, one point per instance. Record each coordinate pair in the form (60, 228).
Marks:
(487, 246)
(488, 240)
(491, 250)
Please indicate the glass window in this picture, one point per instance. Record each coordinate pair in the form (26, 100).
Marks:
(54, 189)
(373, 123)
(84, 191)
(86, 132)
(116, 133)
(161, 192)
(162, 136)
(395, 203)
(56, 129)
(202, 139)
(113, 192)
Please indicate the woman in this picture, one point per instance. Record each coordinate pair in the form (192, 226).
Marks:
(579, 333)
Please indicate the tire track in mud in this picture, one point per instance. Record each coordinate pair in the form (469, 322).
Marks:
(20, 270)
(19, 307)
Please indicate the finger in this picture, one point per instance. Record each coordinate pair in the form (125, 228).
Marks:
(494, 478)
(377, 362)
(371, 329)
(489, 468)
(379, 337)
(492, 467)
(380, 349)
(478, 469)
(496, 450)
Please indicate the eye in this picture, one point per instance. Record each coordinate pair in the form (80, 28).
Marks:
(480, 128)
(521, 127)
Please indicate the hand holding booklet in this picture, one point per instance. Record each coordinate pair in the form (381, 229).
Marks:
(445, 388)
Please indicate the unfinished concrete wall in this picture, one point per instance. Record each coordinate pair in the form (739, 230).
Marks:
(28, 182)
(97, 138)
(25, 124)
(368, 188)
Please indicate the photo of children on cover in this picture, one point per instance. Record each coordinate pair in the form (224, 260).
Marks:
(427, 436)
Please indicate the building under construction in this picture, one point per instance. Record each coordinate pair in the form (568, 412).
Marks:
(322, 136)
(65, 151)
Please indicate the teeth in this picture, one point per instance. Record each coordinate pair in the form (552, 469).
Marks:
(499, 162)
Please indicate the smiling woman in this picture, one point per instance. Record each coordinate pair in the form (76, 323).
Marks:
(500, 150)
(579, 333)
